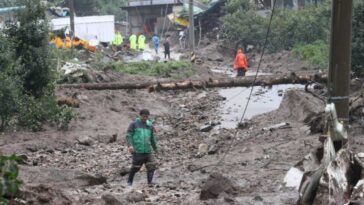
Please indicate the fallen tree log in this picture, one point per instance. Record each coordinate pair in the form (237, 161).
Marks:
(264, 80)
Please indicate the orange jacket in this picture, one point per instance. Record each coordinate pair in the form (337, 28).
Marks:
(240, 60)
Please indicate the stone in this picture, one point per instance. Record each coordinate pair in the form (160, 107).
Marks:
(213, 149)
(215, 185)
(85, 140)
(206, 128)
(135, 196)
(124, 171)
(202, 149)
(106, 138)
(113, 200)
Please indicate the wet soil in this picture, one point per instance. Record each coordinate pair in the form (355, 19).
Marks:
(88, 165)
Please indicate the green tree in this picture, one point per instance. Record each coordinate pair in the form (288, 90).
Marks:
(29, 37)
(358, 39)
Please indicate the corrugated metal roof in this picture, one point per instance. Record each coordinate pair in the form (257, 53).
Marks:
(136, 3)
(10, 9)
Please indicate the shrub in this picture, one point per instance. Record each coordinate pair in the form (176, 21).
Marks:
(316, 53)
(10, 183)
(34, 112)
(8, 96)
(152, 68)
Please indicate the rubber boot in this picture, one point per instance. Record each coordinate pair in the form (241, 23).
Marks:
(131, 177)
(150, 175)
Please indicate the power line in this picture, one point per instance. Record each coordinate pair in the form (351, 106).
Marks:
(250, 94)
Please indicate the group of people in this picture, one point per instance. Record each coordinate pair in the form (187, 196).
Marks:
(138, 43)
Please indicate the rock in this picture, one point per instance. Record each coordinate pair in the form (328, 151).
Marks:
(216, 184)
(202, 149)
(85, 140)
(106, 138)
(258, 198)
(113, 200)
(32, 148)
(42, 194)
(206, 128)
(135, 196)
(213, 149)
(124, 171)
(58, 177)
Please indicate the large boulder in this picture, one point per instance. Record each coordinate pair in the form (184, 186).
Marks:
(298, 105)
(215, 185)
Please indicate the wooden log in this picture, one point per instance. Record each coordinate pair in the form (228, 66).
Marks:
(266, 80)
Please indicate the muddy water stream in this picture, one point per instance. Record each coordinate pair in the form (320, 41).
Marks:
(263, 100)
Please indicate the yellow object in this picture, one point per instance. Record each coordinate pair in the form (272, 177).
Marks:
(117, 40)
(132, 40)
(141, 42)
(58, 42)
(68, 42)
(175, 19)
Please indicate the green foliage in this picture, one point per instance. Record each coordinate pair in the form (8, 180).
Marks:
(299, 27)
(112, 7)
(316, 53)
(175, 69)
(8, 99)
(33, 113)
(26, 74)
(9, 171)
(244, 27)
(30, 39)
(358, 39)
(242, 24)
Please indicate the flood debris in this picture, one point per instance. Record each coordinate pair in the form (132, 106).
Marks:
(282, 125)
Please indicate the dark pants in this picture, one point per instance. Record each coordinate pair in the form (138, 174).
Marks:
(167, 54)
(241, 72)
(138, 160)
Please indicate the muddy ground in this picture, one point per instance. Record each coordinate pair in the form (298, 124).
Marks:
(88, 164)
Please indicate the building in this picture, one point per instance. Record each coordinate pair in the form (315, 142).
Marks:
(149, 16)
(88, 27)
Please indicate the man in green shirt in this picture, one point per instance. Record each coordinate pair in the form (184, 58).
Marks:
(141, 141)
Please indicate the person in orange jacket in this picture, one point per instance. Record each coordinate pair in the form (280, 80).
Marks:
(240, 63)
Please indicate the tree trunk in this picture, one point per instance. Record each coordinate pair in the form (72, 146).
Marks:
(200, 84)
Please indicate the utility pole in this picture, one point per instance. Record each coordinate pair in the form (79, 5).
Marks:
(191, 27)
(72, 17)
(340, 57)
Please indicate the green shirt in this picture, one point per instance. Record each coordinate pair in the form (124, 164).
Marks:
(141, 136)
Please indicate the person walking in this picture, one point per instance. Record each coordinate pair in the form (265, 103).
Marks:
(167, 51)
(155, 41)
(141, 42)
(133, 41)
(141, 140)
(240, 63)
